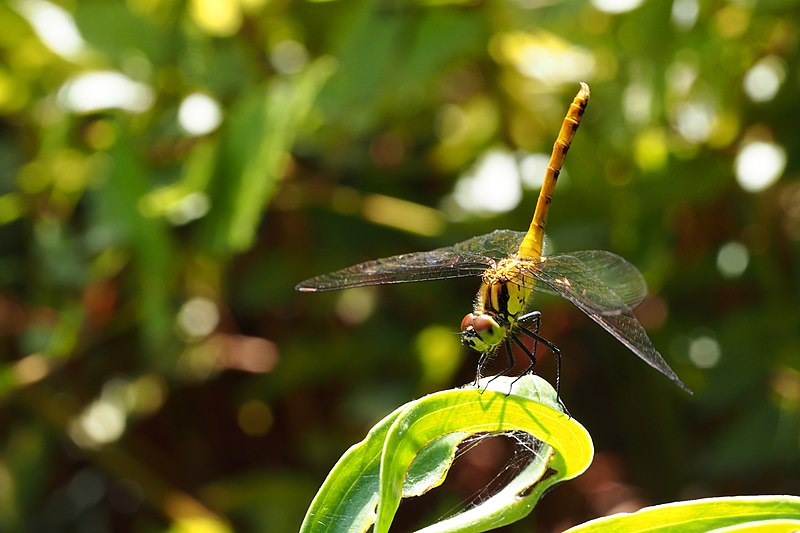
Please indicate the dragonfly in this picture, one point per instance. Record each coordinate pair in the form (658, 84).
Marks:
(512, 268)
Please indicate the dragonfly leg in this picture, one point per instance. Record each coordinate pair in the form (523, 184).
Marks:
(553, 348)
(531, 355)
(510, 356)
(481, 362)
(533, 315)
(535, 318)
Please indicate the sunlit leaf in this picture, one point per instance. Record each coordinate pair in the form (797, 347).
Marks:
(742, 513)
(423, 436)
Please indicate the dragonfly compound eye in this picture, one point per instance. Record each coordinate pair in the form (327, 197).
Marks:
(481, 332)
(483, 324)
(467, 322)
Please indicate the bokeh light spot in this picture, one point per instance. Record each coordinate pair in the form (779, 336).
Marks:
(440, 353)
(100, 134)
(31, 369)
(255, 418)
(786, 384)
(651, 149)
(684, 13)
(546, 57)
(148, 394)
(221, 18)
(12, 206)
(199, 361)
(199, 114)
(54, 26)
(616, 6)
(638, 102)
(95, 91)
(532, 169)
(244, 353)
(759, 164)
(452, 124)
(732, 259)
(13, 92)
(653, 312)
(289, 57)
(732, 20)
(190, 207)
(101, 423)
(198, 317)
(762, 81)
(682, 73)
(492, 186)
(705, 352)
(356, 305)
(694, 121)
(790, 204)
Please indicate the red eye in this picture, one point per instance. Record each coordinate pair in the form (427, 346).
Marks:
(482, 323)
(467, 322)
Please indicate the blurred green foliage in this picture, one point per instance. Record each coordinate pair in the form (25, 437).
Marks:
(169, 170)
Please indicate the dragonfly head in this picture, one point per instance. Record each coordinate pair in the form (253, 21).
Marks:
(482, 333)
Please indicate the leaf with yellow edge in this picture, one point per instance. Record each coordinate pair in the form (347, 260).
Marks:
(778, 514)
(410, 451)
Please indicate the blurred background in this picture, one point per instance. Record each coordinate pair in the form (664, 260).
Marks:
(170, 170)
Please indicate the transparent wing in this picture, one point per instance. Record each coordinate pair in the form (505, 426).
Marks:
(604, 280)
(498, 244)
(606, 288)
(468, 258)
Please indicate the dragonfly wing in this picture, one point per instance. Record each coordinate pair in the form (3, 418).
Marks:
(630, 332)
(604, 281)
(617, 274)
(606, 288)
(498, 244)
(418, 266)
(467, 258)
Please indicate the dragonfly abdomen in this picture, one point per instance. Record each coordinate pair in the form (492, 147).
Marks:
(531, 246)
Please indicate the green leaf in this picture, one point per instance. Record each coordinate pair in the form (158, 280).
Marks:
(740, 513)
(409, 50)
(410, 451)
(119, 221)
(261, 130)
(117, 30)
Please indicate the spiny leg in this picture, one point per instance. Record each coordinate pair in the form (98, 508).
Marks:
(531, 355)
(556, 352)
(535, 318)
(510, 355)
(481, 363)
(553, 348)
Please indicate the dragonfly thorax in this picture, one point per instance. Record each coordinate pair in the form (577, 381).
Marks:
(501, 293)
(482, 332)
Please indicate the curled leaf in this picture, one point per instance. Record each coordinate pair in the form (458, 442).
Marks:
(410, 451)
